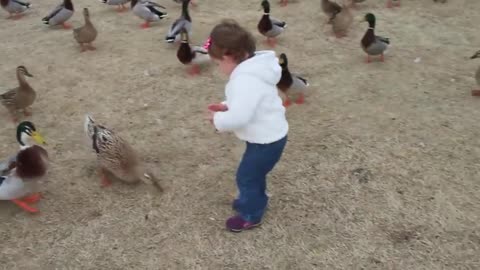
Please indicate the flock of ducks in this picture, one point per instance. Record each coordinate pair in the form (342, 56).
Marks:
(115, 157)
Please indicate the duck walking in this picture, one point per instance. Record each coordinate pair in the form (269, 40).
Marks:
(342, 21)
(86, 34)
(270, 27)
(115, 157)
(147, 11)
(15, 8)
(192, 56)
(331, 9)
(119, 3)
(60, 14)
(184, 22)
(21, 172)
(291, 84)
(21, 97)
(371, 43)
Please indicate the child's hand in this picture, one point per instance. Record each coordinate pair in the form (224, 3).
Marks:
(218, 107)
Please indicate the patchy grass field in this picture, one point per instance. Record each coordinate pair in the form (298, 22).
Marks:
(381, 170)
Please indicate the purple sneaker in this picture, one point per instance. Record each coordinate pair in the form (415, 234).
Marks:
(238, 224)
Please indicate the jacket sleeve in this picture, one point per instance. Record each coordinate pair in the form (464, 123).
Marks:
(243, 98)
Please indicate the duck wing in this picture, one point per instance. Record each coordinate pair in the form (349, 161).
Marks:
(53, 13)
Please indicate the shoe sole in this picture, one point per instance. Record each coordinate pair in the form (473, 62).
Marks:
(246, 229)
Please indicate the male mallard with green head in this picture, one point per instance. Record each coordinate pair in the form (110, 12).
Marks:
(20, 173)
(15, 8)
(372, 44)
(268, 26)
(291, 84)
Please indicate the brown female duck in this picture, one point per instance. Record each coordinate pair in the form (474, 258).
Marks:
(21, 97)
(86, 34)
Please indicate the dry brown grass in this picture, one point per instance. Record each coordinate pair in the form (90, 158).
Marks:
(380, 172)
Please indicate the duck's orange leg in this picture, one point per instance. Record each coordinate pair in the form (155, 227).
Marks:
(300, 99)
(194, 70)
(105, 181)
(287, 102)
(25, 206)
(32, 198)
(145, 25)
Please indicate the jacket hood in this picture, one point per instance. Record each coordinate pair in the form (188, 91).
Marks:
(263, 65)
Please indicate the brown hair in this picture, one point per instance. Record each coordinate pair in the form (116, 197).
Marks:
(230, 39)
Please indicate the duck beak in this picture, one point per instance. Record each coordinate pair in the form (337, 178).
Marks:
(38, 138)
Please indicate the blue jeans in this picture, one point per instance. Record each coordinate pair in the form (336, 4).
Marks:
(257, 161)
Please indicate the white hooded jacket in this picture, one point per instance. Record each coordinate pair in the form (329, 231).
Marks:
(255, 110)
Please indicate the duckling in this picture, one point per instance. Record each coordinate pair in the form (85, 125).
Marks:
(119, 3)
(21, 97)
(342, 22)
(86, 34)
(192, 56)
(116, 157)
(22, 172)
(393, 3)
(60, 14)
(268, 26)
(185, 21)
(477, 75)
(372, 44)
(331, 9)
(15, 8)
(291, 84)
(147, 11)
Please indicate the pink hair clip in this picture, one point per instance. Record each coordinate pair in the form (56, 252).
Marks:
(207, 43)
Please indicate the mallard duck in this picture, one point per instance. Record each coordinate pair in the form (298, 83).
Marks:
(21, 172)
(147, 11)
(331, 9)
(119, 3)
(86, 34)
(477, 75)
(15, 8)
(21, 97)
(291, 84)
(342, 22)
(184, 22)
(393, 3)
(60, 14)
(372, 44)
(115, 156)
(191, 56)
(268, 26)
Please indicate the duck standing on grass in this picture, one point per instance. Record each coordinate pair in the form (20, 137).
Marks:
(372, 44)
(22, 172)
(86, 34)
(15, 8)
(191, 56)
(184, 22)
(331, 9)
(115, 157)
(147, 11)
(476, 92)
(291, 84)
(119, 3)
(21, 97)
(60, 15)
(268, 26)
